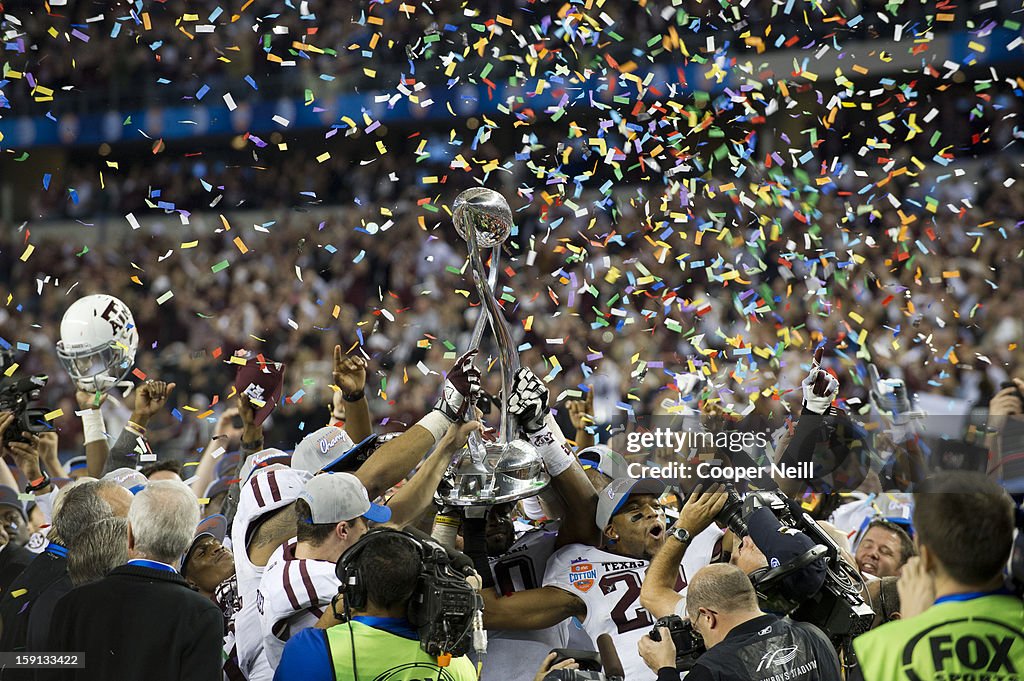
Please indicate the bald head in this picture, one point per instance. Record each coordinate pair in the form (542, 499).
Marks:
(118, 497)
(720, 587)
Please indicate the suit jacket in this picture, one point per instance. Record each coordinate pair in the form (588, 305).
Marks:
(139, 624)
(13, 560)
(45, 569)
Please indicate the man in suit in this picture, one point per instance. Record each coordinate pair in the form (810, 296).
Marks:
(143, 622)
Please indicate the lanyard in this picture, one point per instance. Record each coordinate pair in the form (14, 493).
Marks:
(972, 595)
(142, 562)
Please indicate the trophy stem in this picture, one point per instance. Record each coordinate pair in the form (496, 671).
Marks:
(508, 358)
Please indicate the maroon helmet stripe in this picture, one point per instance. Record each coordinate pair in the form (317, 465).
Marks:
(288, 585)
(308, 583)
(275, 492)
(256, 491)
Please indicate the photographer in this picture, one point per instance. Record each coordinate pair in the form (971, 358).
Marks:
(742, 641)
(764, 544)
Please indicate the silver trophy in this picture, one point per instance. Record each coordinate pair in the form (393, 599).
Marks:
(485, 473)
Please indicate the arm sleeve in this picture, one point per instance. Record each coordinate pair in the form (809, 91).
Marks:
(670, 674)
(122, 454)
(305, 658)
(698, 673)
(203, 657)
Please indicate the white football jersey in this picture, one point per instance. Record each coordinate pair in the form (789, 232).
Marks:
(264, 492)
(292, 596)
(609, 586)
(513, 655)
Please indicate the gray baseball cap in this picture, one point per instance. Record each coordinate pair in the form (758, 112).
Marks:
(129, 478)
(320, 448)
(613, 497)
(606, 460)
(334, 497)
(262, 459)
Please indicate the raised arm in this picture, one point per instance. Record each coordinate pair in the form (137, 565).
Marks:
(397, 457)
(658, 593)
(149, 399)
(529, 405)
(251, 442)
(97, 448)
(416, 496)
(225, 434)
(350, 378)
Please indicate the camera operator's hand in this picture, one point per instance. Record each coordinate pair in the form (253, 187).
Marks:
(149, 399)
(26, 456)
(547, 666)
(349, 373)
(1005, 403)
(814, 403)
(916, 588)
(6, 419)
(48, 445)
(700, 509)
(658, 654)
(461, 387)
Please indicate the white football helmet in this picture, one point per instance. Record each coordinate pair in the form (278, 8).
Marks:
(98, 340)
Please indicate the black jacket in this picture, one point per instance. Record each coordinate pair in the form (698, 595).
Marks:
(767, 647)
(45, 569)
(139, 624)
(13, 561)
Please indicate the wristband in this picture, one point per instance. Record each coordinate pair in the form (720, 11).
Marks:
(353, 397)
(437, 423)
(532, 508)
(38, 484)
(93, 427)
(446, 530)
(557, 458)
(133, 427)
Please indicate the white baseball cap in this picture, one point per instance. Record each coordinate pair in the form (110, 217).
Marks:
(129, 478)
(320, 448)
(334, 497)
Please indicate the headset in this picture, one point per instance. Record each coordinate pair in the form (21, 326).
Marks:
(442, 606)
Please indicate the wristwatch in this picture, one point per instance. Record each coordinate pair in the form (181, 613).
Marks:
(681, 534)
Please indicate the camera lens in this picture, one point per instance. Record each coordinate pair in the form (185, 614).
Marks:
(731, 515)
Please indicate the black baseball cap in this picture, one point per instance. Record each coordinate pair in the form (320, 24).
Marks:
(780, 544)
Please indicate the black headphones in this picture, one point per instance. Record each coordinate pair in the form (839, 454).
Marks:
(353, 588)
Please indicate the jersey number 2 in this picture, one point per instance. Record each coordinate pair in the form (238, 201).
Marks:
(627, 614)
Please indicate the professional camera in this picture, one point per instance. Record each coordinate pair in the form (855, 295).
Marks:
(19, 396)
(837, 608)
(689, 644)
(444, 606)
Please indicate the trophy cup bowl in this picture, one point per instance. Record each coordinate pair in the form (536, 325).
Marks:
(487, 212)
(505, 473)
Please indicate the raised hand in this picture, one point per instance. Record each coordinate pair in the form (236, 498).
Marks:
(89, 400)
(349, 372)
(528, 400)
(700, 509)
(581, 412)
(461, 387)
(813, 402)
(225, 430)
(150, 398)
